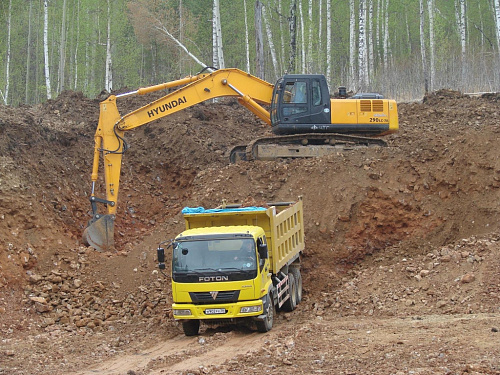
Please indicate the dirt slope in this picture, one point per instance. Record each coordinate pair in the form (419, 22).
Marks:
(400, 271)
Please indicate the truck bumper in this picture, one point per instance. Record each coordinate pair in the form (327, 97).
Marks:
(185, 311)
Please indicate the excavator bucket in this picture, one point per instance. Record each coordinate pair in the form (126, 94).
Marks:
(100, 233)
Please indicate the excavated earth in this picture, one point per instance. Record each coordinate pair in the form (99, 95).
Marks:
(401, 268)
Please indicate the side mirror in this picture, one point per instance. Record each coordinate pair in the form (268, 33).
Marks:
(263, 252)
(160, 253)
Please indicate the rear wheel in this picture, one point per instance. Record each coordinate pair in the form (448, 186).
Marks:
(266, 324)
(298, 280)
(291, 302)
(191, 327)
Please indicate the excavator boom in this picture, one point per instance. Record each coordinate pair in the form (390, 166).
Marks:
(109, 136)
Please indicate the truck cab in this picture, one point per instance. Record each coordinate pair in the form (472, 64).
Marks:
(218, 273)
(238, 264)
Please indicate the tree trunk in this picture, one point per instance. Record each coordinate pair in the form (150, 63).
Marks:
(46, 48)
(320, 63)
(271, 43)
(309, 61)
(329, 42)
(386, 35)
(292, 26)
(247, 41)
(497, 21)
(432, 71)
(422, 45)
(282, 36)
(302, 40)
(164, 30)
(7, 67)
(62, 49)
(352, 47)
(460, 17)
(371, 58)
(362, 51)
(108, 85)
(217, 37)
(28, 55)
(75, 84)
(259, 44)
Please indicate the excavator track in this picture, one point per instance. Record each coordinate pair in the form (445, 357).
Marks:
(301, 146)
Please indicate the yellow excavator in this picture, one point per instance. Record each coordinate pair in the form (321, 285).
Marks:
(306, 122)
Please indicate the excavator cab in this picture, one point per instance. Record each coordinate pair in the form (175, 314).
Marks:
(300, 104)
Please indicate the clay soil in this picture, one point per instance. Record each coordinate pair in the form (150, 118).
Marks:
(401, 267)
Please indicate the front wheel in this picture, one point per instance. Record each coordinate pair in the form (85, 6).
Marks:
(191, 327)
(266, 324)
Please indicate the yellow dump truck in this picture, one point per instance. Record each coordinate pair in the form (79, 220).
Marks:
(236, 264)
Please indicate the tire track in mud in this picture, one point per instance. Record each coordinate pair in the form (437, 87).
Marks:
(182, 353)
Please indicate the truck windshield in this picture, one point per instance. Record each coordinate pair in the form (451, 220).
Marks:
(214, 255)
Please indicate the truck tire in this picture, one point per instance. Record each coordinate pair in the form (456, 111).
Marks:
(298, 280)
(266, 324)
(191, 327)
(291, 303)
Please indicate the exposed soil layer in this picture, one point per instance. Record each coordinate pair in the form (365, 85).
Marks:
(400, 272)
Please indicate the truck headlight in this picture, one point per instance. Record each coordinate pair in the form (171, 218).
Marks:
(251, 309)
(182, 312)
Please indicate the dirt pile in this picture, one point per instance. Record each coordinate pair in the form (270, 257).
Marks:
(395, 237)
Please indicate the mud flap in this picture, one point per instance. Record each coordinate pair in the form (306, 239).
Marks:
(100, 233)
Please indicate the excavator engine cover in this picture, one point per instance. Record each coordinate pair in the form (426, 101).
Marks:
(100, 233)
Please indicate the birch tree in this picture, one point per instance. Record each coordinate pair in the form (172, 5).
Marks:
(247, 42)
(108, 84)
(422, 45)
(7, 68)
(62, 48)
(75, 84)
(362, 50)
(292, 27)
(320, 36)
(46, 47)
(496, 5)
(259, 44)
(432, 49)
(329, 41)
(461, 23)
(352, 46)
(218, 55)
(270, 41)
(282, 35)
(28, 54)
(302, 39)
(310, 42)
(371, 58)
(386, 35)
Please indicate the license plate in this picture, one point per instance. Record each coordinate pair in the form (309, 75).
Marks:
(215, 311)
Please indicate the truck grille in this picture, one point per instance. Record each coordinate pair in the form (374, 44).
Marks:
(207, 297)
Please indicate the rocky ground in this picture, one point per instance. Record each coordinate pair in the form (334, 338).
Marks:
(401, 268)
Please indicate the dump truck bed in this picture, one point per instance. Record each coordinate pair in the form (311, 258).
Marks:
(284, 227)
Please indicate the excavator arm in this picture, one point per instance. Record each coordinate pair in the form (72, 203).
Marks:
(109, 136)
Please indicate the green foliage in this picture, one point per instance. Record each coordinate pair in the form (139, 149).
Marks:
(141, 55)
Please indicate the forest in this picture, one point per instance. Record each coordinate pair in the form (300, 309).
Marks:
(399, 48)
